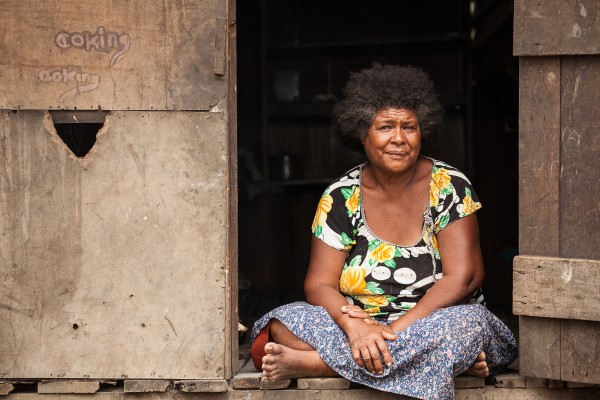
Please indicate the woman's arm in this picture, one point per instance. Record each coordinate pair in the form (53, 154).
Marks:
(321, 287)
(462, 265)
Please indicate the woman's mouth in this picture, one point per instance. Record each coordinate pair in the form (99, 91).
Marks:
(397, 154)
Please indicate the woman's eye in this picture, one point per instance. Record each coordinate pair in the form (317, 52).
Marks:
(409, 128)
(386, 128)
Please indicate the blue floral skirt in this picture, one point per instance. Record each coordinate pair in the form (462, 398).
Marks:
(427, 355)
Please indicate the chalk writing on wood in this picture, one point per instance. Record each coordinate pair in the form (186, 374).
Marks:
(101, 40)
(82, 81)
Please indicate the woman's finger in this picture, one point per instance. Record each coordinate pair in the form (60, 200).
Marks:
(374, 351)
(385, 352)
(354, 311)
(359, 314)
(367, 359)
(356, 355)
(388, 333)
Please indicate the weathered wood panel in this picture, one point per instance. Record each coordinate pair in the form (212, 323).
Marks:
(556, 288)
(539, 156)
(556, 27)
(579, 348)
(120, 55)
(116, 268)
(488, 393)
(539, 347)
(580, 158)
(232, 201)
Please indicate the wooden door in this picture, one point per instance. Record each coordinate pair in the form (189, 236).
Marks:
(557, 275)
(116, 265)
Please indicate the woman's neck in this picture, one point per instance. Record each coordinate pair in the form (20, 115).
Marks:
(393, 184)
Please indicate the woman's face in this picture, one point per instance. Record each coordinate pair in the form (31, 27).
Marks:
(393, 142)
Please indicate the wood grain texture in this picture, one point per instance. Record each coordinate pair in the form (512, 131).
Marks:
(117, 268)
(556, 288)
(134, 55)
(580, 158)
(232, 194)
(539, 156)
(580, 351)
(556, 27)
(539, 347)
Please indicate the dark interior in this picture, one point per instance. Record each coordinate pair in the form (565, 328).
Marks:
(294, 58)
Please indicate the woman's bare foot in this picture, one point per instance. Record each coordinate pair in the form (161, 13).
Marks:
(282, 335)
(282, 362)
(479, 367)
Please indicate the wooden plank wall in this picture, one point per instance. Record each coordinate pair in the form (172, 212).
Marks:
(116, 269)
(116, 265)
(559, 188)
(119, 55)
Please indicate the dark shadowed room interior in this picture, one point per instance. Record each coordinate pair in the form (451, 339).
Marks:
(294, 58)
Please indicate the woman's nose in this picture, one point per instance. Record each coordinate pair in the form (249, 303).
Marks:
(398, 136)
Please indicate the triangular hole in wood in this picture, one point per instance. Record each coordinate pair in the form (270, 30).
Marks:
(78, 129)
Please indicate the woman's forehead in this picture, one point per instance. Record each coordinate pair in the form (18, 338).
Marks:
(394, 113)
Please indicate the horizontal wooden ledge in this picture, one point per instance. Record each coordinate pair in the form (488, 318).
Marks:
(551, 287)
(488, 392)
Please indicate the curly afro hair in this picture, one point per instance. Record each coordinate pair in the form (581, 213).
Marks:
(386, 86)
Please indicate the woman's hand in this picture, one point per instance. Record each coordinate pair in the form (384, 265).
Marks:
(367, 340)
(355, 311)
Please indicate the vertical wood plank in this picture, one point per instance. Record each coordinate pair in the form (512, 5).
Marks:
(539, 156)
(580, 155)
(539, 347)
(232, 219)
(580, 350)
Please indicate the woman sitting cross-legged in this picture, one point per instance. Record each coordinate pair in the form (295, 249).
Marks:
(393, 284)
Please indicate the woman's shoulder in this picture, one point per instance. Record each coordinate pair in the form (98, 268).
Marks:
(451, 195)
(441, 167)
(348, 179)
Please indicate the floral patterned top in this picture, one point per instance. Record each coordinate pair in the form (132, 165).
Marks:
(385, 278)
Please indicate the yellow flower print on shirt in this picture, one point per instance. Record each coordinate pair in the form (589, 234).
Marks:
(373, 300)
(321, 215)
(440, 180)
(468, 206)
(353, 201)
(352, 281)
(352, 196)
(383, 252)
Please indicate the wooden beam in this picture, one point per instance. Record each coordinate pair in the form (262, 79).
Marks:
(556, 288)
(232, 359)
(539, 156)
(539, 347)
(556, 27)
(580, 351)
(579, 155)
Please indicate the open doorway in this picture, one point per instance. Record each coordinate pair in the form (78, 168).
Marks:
(293, 60)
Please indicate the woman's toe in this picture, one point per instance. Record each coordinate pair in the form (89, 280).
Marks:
(480, 365)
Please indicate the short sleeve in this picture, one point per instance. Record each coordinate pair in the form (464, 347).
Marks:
(338, 207)
(452, 196)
